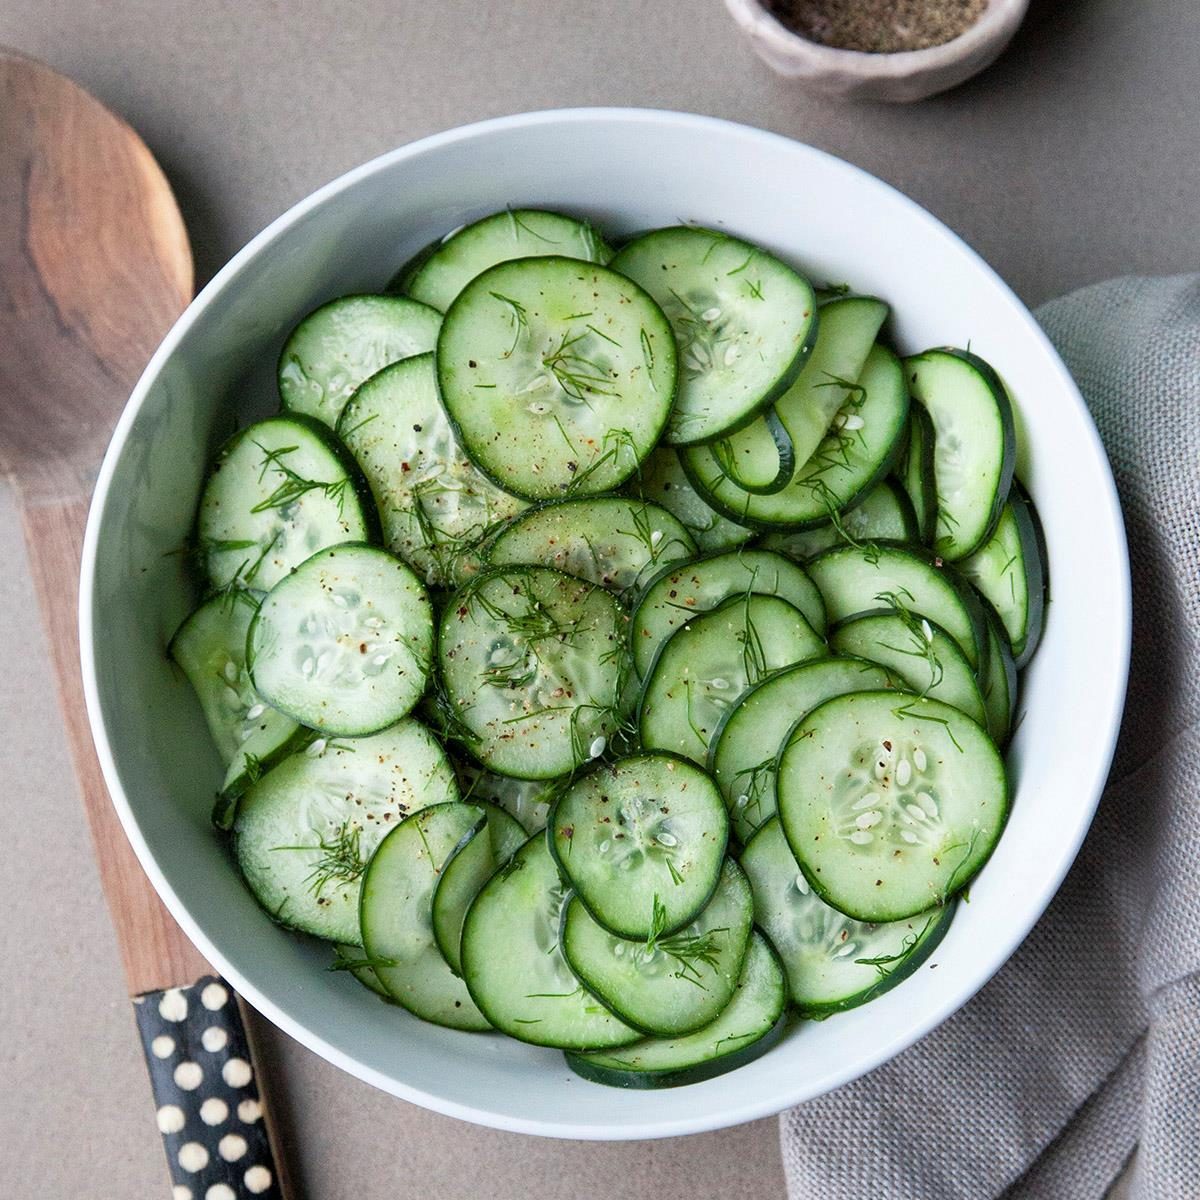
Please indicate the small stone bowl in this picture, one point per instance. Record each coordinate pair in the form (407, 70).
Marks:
(857, 75)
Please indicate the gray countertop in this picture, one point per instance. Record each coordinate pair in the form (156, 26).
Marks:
(1074, 158)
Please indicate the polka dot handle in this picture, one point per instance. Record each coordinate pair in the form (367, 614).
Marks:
(209, 1109)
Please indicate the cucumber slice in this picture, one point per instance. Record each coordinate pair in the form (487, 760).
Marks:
(833, 962)
(681, 593)
(514, 965)
(857, 452)
(352, 959)
(280, 490)
(758, 458)
(615, 541)
(434, 503)
(344, 643)
(1009, 569)
(743, 320)
(344, 343)
(663, 480)
(890, 803)
(883, 515)
(915, 471)
(469, 867)
(258, 755)
(515, 233)
(744, 754)
(395, 913)
(210, 647)
(667, 985)
(998, 681)
(859, 579)
(974, 444)
(305, 831)
(534, 665)
(704, 668)
(558, 376)
(528, 800)
(250, 736)
(916, 651)
(846, 330)
(641, 840)
(751, 1024)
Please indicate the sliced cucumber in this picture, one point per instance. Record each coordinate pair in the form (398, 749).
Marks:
(915, 471)
(305, 831)
(395, 913)
(1009, 569)
(513, 963)
(667, 985)
(802, 416)
(883, 515)
(354, 960)
(534, 665)
(744, 754)
(998, 681)
(758, 458)
(705, 666)
(344, 343)
(515, 233)
(866, 435)
(663, 480)
(260, 753)
(681, 593)
(528, 800)
(344, 643)
(890, 803)
(743, 320)
(750, 1025)
(642, 841)
(434, 503)
(250, 736)
(832, 961)
(974, 444)
(558, 375)
(859, 579)
(916, 651)
(470, 865)
(616, 541)
(280, 490)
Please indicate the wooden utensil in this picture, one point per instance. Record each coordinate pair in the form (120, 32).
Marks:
(94, 267)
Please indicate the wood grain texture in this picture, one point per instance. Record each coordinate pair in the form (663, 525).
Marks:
(94, 267)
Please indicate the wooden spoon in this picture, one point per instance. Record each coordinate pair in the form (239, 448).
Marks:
(94, 268)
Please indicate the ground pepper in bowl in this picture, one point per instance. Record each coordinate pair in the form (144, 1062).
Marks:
(879, 26)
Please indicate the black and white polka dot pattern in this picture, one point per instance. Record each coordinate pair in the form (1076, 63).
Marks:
(209, 1109)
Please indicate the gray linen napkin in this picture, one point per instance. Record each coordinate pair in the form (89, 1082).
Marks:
(1087, 1043)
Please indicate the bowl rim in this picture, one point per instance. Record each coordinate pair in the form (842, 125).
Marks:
(731, 1112)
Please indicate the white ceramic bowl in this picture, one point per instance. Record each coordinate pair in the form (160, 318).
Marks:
(626, 169)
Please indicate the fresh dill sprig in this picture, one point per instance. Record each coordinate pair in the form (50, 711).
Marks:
(577, 375)
(693, 951)
(342, 860)
(882, 962)
(294, 485)
(519, 317)
(344, 962)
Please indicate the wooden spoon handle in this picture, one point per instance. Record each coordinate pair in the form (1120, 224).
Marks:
(206, 1095)
(172, 984)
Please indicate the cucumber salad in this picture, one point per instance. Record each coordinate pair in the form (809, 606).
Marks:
(615, 645)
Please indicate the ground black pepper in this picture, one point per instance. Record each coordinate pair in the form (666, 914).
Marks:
(879, 26)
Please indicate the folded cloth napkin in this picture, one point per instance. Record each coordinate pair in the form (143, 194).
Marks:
(1087, 1043)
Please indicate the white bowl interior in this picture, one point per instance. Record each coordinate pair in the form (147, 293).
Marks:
(625, 169)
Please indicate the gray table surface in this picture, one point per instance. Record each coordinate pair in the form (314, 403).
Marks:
(1073, 159)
